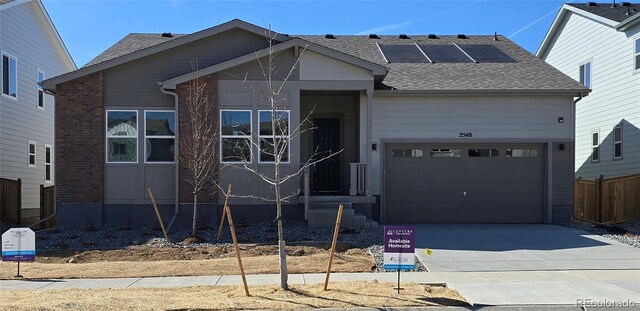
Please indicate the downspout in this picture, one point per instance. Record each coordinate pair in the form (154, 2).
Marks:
(176, 153)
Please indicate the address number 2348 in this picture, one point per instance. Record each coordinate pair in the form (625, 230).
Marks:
(465, 134)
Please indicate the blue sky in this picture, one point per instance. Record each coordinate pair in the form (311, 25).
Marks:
(89, 27)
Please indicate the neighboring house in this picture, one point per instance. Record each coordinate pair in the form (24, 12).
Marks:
(434, 128)
(31, 50)
(598, 44)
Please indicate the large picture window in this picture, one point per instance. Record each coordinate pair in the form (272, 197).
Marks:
(269, 146)
(160, 136)
(235, 136)
(9, 75)
(122, 136)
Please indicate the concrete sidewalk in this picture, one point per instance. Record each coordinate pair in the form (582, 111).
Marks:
(479, 288)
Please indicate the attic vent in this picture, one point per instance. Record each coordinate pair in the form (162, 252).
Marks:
(167, 35)
(462, 36)
(373, 36)
(329, 36)
(592, 4)
(403, 36)
(432, 36)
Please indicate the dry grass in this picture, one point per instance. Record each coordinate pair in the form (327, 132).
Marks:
(353, 260)
(340, 295)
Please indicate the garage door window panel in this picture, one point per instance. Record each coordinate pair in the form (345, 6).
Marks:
(483, 153)
(521, 153)
(445, 153)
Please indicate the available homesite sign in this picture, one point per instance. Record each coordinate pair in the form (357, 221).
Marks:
(399, 247)
(19, 244)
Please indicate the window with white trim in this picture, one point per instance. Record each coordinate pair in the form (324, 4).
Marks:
(617, 142)
(637, 54)
(9, 75)
(31, 151)
(122, 136)
(235, 136)
(40, 78)
(585, 74)
(595, 146)
(273, 146)
(48, 168)
(160, 136)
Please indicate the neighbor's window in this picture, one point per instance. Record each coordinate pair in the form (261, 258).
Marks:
(521, 153)
(617, 142)
(160, 136)
(122, 136)
(31, 154)
(637, 54)
(40, 90)
(595, 142)
(47, 163)
(445, 153)
(267, 143)
(235, 134)
(483, 153)
(9, 75)
(585, 74)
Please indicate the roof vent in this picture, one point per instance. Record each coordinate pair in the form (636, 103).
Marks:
(167, 35)
(373, 36)
(626, 3)
(462, 36)
(592, 4)
(432, 36)
(403, 36)
(613, 5)
(329, 36)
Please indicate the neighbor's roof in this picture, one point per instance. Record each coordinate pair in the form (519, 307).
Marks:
(616, 13)
(527, 73)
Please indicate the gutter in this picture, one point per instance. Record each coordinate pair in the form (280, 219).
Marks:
(176, 154)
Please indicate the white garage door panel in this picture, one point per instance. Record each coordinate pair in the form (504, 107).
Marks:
(466, 189)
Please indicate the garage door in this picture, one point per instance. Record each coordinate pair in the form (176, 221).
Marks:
(480, 183)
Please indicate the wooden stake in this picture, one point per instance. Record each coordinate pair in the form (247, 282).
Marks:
(333, 246)
(235, 246)
(155, 207)
(224, 211)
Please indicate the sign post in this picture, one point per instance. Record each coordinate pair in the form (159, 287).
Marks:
(19, 244)
(399, 248)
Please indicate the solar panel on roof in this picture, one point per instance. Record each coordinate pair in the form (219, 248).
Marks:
(403, 54)
(445, 53)
(486, 53)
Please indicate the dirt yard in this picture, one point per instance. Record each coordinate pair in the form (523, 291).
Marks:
(340, 295)
(187, 261)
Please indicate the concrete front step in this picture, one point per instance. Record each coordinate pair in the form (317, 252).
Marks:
(324, 214)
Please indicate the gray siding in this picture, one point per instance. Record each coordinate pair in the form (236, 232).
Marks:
(26, 35)
(135, 84)
(614, 99)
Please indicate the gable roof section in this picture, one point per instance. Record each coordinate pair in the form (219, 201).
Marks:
(527, 74)
(131, 43)
(126, 52)
(614, 17)
(377, 70)
(7, 4)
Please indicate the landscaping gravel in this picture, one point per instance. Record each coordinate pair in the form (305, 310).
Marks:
(627, 232)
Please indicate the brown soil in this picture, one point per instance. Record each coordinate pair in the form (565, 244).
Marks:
(340, 295)
(191, 261)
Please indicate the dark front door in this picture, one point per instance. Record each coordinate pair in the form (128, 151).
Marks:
(326, 139)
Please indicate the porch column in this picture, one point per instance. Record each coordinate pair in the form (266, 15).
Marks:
(369, 140)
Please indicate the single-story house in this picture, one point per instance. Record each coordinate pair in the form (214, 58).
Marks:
(433, 128)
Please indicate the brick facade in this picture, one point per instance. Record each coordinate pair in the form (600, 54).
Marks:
(79, 141)
(208, 193)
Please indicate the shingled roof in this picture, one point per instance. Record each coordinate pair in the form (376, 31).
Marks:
(527, 73)
(617, 13)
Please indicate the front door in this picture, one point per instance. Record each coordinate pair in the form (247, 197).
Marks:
(326, 139)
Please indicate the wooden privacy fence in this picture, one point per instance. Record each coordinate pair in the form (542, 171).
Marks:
(47, 201)
(10, 200)
(607, 200)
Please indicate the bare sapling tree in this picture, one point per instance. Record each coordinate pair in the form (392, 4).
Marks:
(199, 139)
(275, 137)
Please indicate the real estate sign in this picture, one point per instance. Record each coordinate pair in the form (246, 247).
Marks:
(19, 244)
(399, 247)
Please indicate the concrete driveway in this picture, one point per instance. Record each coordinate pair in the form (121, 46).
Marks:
(475, 248)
